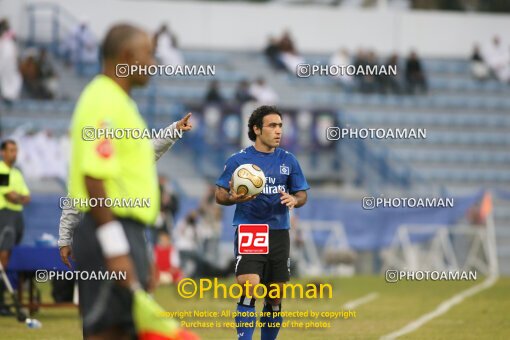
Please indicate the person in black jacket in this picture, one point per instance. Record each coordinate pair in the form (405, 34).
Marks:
(415, 74)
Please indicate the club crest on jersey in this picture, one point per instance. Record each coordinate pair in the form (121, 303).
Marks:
(105, 148)
(284, 170)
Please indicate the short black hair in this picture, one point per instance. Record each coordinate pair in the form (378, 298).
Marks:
(257, 118)
(6, 142)
(116, 38)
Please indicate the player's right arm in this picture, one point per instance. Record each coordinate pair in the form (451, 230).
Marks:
(229, 197)
(225, 194)
(17, 198)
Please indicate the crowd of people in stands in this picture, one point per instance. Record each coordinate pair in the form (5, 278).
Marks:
(282, 55)
(258, 90)
(30, 74)
(39, 148)
(490, 62)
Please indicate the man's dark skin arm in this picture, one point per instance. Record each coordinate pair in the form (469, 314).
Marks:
(102, 215)
(15, 198)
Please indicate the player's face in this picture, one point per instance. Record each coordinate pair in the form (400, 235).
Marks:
(142, 54)
(10, 153)
(271, 133)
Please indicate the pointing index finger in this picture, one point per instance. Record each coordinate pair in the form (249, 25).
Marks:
(187, 117)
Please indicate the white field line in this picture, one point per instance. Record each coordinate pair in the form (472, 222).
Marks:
(362, 300)
(441, 309)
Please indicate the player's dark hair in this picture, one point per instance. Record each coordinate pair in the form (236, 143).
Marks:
(116, 38)
(257, 118)
(6, 142)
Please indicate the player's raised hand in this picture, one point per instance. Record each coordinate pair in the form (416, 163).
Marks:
(185, 124)
(238, 198)
(287, 199)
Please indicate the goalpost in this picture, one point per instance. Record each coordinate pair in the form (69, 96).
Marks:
(443, 248)
(331, 257)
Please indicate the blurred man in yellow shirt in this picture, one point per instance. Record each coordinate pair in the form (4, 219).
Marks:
(14, 194)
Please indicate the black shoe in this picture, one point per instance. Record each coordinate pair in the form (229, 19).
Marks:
(5, 311)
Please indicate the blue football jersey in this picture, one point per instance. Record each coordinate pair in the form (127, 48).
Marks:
(282, 172)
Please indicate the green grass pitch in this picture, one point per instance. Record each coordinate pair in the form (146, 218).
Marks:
(482, 316)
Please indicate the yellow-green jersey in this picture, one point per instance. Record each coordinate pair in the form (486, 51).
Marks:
(16, 184)
(125, 165)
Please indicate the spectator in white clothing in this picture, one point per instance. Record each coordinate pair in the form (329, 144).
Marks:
(81, 46)
(263, 93)
(288, 53)
(166, 47)
(497, 57)
(187, 243)
(342, 58)
(10, 77)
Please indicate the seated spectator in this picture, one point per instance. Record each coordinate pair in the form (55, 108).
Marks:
(366, 83)
(211, 225)
(10, 77)
(479, 68)
(243, 94)
(188, 245)
(167, 260)
(47, 72)
(213, 95)
(342, 58)
(370, 82)
(263, 93)
(81, 47)
(32, 83)
(38, 75)
(497, 57)
(390, 83)
(360, 60)
(288, 53)
(169, 203)
(415, 75)
(165, 47)
(272, 52)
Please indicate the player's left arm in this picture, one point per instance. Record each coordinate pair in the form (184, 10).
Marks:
(297, 185)
(162, 145)
(295, 200)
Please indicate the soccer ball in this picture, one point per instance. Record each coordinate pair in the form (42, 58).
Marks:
(248, 179)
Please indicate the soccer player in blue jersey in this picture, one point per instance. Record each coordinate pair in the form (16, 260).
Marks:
(285, 189)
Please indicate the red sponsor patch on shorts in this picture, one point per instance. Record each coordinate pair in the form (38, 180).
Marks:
(253, 239)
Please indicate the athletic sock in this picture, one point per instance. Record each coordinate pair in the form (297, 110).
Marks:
(271, 324)
(245, 318)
